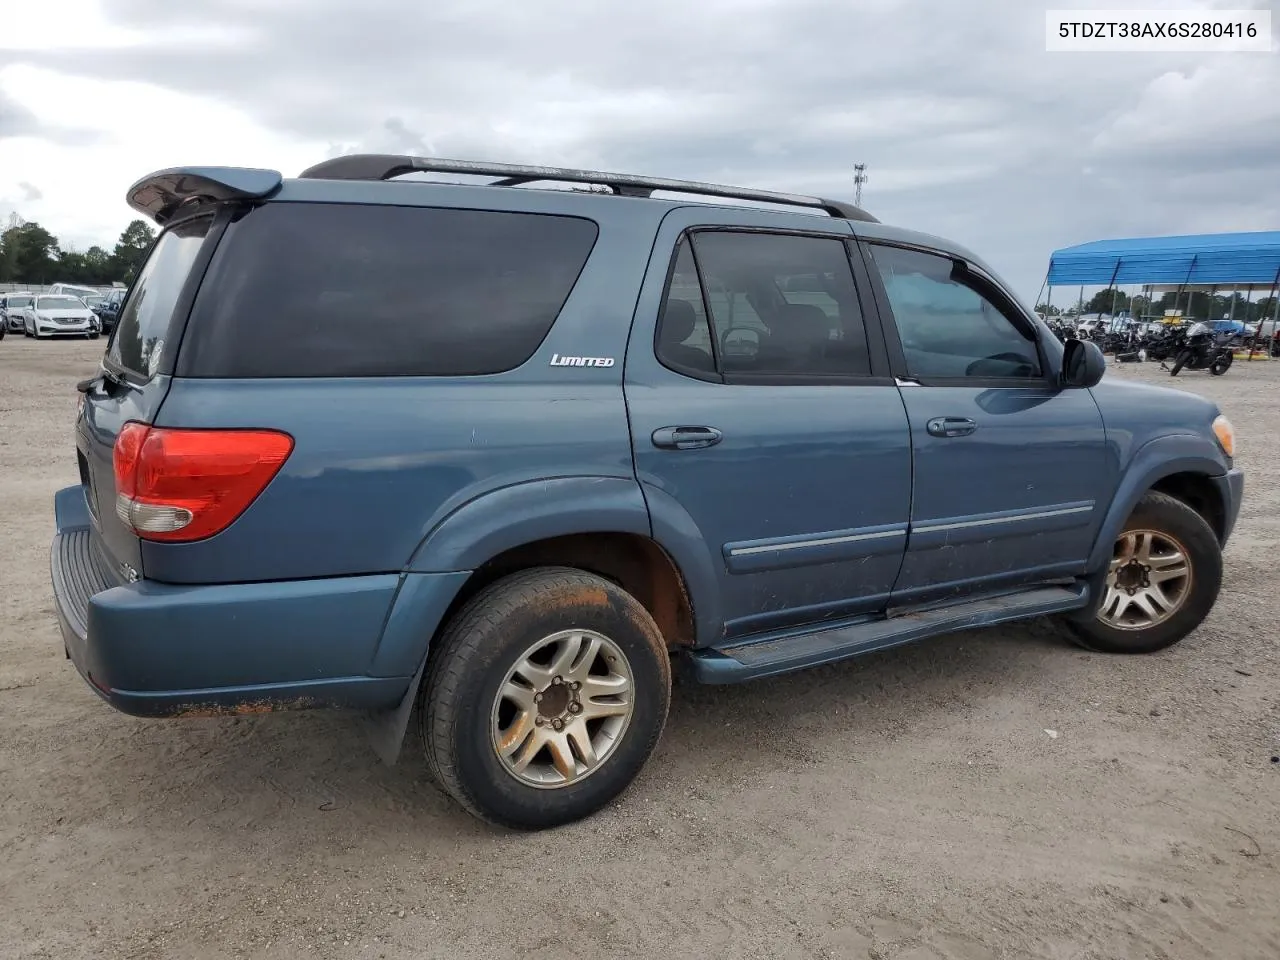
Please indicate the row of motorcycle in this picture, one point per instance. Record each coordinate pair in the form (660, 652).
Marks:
(1176, 347)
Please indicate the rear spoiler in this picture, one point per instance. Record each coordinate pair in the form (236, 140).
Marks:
(162, 194)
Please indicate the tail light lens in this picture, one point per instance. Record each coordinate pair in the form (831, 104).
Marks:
(183, 485)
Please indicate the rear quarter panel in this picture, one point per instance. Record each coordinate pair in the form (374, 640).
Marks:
(379, 463)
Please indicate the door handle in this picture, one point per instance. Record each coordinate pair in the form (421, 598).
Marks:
(950, 427)
(686, 438)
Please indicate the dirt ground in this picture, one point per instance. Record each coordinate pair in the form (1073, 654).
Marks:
(909, 805)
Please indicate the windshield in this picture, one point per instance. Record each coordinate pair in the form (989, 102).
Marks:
(19, 302)
(93, 299)
(59, 303)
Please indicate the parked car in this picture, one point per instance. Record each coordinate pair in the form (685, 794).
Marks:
(74, 290)
(108, 309)
(483, 451)
(11, 307)
(58, 315)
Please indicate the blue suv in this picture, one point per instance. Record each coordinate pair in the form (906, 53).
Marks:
(500, 458)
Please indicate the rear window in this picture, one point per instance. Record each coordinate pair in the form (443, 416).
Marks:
(344, 290)
(139, 336)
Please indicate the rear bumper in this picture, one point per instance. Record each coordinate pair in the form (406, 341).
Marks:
(153, 649)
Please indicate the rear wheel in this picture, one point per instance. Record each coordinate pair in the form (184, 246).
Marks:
(1163, 579)
(546, 697)
(1222, 364)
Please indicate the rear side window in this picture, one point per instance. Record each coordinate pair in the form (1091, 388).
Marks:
(345, 290)
(781, 305)
(138, 340)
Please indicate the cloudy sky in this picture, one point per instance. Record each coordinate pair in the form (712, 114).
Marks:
(968, 127)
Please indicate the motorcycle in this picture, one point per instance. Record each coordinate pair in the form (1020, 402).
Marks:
(1201, 349)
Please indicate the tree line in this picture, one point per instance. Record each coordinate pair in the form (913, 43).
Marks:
(1197, 305)
(31, 254)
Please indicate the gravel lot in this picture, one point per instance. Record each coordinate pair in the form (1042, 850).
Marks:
(908, 805)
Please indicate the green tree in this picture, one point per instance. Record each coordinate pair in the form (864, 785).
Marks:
(1103, 301)
(1047, 309)
(98, 265)
(29, 254)
(131, 249)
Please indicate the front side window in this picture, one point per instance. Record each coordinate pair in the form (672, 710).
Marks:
(948, 329)
(780, 305)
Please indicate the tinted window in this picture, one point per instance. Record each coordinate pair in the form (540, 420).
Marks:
(948, 329)
(782, 305)
(144, 323)
(684, 336)
(334, 290)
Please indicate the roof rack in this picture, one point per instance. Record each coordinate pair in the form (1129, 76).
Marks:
(381, 166)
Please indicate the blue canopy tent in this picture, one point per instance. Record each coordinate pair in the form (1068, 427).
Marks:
(1205, 261)
(1212, 259)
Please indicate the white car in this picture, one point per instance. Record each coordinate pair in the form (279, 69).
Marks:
(58, 315)
(74, 290)
(11, 307)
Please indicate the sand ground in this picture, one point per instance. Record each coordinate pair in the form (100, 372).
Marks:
(909, 805)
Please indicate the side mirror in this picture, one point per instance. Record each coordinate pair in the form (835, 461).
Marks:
(1082, 363)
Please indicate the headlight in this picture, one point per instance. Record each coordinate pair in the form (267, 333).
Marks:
(1226, 434)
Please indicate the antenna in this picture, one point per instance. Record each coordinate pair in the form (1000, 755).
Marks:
(859, 178)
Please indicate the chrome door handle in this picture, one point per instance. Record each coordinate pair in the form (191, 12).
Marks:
(950, 427)
(686, 438)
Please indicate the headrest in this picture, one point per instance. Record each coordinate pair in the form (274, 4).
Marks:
(678, 321)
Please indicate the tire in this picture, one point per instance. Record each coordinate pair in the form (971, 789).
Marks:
(1184, 357)
(1222, 364)
(1174, 523)
(462, 717)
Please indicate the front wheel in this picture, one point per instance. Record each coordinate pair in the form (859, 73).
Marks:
(546, 697)
(1184, 357)
(1163, 580)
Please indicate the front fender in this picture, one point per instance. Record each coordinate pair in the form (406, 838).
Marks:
(1156, 459)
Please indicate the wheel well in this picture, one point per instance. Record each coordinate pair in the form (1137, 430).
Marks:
(635, 563)
(1199, 493)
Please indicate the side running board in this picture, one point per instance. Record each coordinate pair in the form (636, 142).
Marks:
(764, 657)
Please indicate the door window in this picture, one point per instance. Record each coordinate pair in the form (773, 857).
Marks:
(780, 305)
(949, 330)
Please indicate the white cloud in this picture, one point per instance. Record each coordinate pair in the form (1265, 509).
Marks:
(139, 128)
(969, 128)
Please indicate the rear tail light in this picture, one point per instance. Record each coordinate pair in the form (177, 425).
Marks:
(182, 485)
